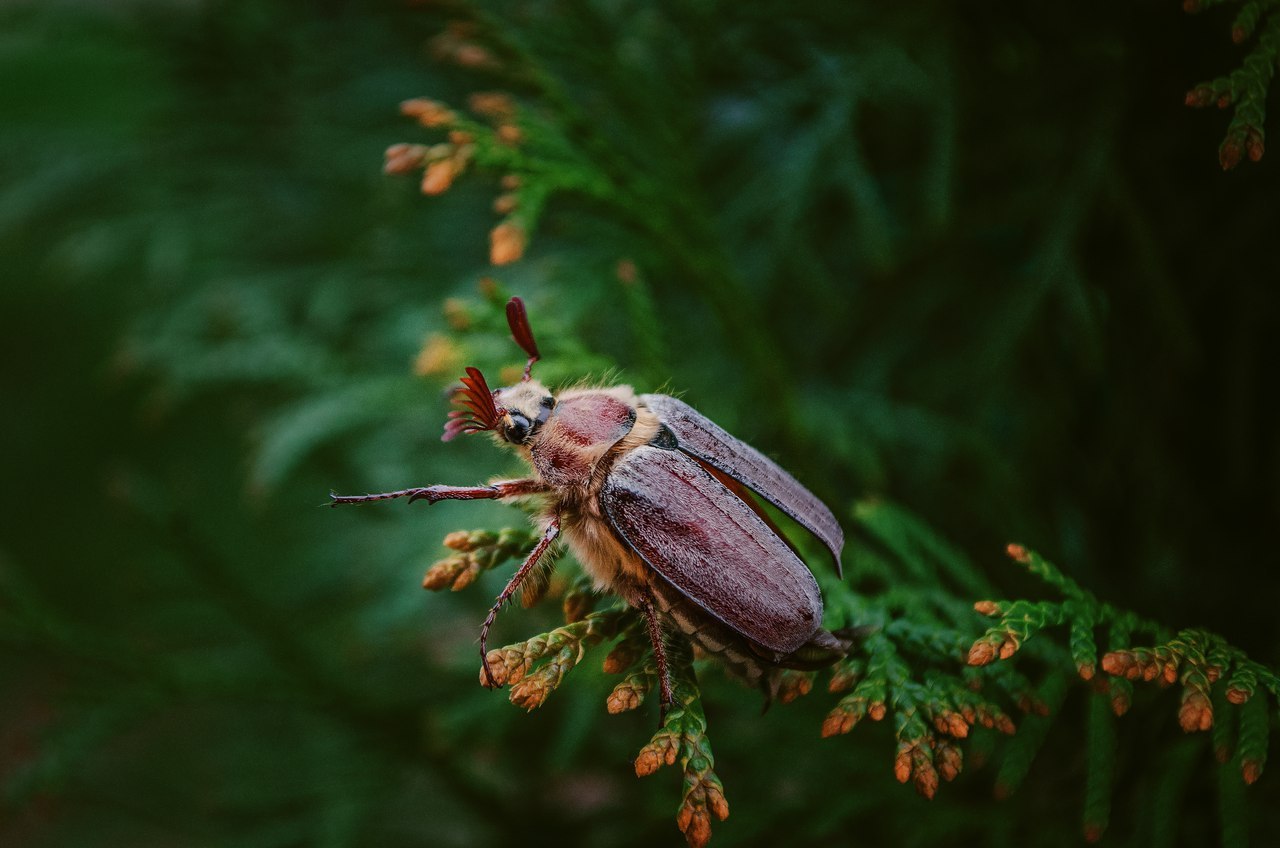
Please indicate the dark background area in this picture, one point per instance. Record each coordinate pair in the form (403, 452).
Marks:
(977, 261)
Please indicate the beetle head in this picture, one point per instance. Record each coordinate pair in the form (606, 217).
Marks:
(525, 406)
(516, 412)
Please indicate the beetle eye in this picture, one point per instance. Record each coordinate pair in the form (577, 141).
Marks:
(518, 430)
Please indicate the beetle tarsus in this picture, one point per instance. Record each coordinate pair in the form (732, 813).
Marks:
(488, 672)
(338, 500)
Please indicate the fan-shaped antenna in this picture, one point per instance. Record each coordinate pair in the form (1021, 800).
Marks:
(479, 412)
(518, 320)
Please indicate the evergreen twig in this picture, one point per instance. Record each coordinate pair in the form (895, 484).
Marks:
(1245, 89)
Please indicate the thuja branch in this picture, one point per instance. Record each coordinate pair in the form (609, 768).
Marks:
(917, 662)
(914, 661)
(1206, 668)
(535, 668)
(1245, 89)
(541, 154)
(907, 660)
(476, 551)
(560, 650)
(932, 710)
(683, 736)
(1020, 620)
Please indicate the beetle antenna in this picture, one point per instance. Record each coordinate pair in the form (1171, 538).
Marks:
(479, 412)
(518, 320)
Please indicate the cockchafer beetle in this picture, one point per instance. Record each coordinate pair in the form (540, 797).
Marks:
(654, 499)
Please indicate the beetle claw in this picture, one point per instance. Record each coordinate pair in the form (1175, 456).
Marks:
(490, 682)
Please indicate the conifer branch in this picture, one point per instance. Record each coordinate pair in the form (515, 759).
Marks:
(477, 551)
(534, 668)
(1245, 89)
(683, 736)
(914, 660)
(1212, 674)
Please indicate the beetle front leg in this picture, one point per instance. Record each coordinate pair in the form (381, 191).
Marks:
(668, 699)
(552, 531)
(432, 494)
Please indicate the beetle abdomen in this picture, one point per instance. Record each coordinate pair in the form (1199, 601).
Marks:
(710, 635)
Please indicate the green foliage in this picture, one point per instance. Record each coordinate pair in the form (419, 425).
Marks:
(1100, 765)
(683, 736)
(1245, 89)
(964, 271)
(1212, 673)
(906, 664)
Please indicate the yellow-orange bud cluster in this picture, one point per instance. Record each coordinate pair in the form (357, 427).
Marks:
(533, 691)
(506, 243)
(506, 666)
(990, 608)
(510, 134)
(992, 647)
(456, 45)
(404, 158)
(694, 816)
(439, 355)
(661, 751)
(497, 105)
(914, 762)
(1018, 553)
(1196, 713)
(624, 697)
(439, 176)
(1251, 770)
(506, 203)
(1141, 665)
(949, 759)
(793, 684)
(430, 113)
(951, 722)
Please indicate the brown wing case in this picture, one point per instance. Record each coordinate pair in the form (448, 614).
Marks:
(701, 437)
(701, 537)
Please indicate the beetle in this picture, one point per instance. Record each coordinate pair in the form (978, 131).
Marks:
(655, 501)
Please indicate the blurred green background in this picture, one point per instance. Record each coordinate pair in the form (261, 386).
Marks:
(975, 259)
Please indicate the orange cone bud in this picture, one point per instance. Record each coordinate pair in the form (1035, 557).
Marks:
(506, 243)
(648, 762)
(982, 653)
(439, 176)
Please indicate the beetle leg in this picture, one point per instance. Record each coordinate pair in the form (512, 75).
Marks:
(553, 530)
(431, 494)
(659, 656)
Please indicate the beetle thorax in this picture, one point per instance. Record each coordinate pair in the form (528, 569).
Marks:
(581, 429)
